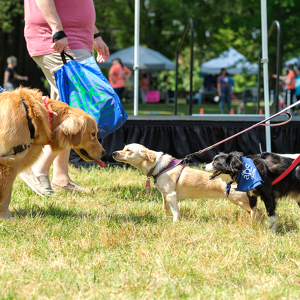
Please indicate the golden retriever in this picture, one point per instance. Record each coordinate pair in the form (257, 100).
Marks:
(23, 109)
(178, 183)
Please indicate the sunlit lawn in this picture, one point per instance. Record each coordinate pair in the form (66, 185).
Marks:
(118, 244)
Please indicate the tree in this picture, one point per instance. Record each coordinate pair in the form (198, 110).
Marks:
(12, 42)
(219, 24)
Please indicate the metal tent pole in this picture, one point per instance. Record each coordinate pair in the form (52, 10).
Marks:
(265, 61)
(136, 55)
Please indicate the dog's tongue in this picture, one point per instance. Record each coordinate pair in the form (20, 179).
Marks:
(215, 174)
(100, 163)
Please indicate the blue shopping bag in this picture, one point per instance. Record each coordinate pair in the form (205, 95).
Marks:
(83, 85)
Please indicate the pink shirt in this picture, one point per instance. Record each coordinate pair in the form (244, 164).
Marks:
(119, 74)
(78, 18)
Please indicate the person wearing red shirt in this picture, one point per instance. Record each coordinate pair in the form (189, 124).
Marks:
(118, 75)
(289, 81)
(144, 87)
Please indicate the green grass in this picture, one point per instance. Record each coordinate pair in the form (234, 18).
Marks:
(118, 244)
(183, 108)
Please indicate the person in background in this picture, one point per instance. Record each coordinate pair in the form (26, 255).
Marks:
(289, 81)
(52, 27)
(11, 76)
(117, 76)
(297, 86)
(232, 95)
(144, 87)
(223, 86)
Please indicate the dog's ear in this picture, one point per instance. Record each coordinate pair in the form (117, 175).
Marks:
(71, 128)
(148, 155)
(76, 139)
(235, 162)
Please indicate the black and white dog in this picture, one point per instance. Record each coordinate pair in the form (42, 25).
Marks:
(234, 167)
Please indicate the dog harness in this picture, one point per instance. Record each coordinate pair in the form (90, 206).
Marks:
(22, 147)
(248, 179)
(174, 162)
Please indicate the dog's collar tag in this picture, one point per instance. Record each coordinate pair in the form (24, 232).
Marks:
(147, 183)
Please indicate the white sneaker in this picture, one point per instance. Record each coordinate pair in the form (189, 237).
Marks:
(40, 184)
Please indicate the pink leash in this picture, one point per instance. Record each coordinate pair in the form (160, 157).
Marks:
(289, 169)
(189, 156)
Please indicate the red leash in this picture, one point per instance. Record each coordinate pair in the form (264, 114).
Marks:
(45, 99)
(288, 170)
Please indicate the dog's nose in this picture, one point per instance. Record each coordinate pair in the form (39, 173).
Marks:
(103, 152)
(114, 153)
(203, 167)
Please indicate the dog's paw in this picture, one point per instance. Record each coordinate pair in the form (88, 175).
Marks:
(271, 223)
(176, 219)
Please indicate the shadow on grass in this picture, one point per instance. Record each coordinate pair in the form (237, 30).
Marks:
(69, 214)
(136, 193)
(287, 227)
(139, 217)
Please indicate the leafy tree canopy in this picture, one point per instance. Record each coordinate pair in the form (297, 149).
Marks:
(219, 24)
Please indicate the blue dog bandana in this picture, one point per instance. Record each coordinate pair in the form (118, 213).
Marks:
(1, 89)
(248, 179)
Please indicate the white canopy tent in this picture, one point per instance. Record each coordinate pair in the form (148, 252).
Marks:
(264, 61)
(232, 60)
(293, 61)
(149, 59)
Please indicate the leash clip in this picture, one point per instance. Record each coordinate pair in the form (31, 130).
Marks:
(188, 157)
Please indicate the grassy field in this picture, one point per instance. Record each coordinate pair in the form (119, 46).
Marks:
(183, 108)
(118, 244)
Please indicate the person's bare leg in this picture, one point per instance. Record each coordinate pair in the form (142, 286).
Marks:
(37, 177)
(61, 179)
(60, 165)
(60, 168)
(44, 163)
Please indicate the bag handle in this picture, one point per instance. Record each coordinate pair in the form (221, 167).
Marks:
(63, 57)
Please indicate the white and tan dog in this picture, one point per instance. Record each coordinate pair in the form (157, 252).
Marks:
(177, 183)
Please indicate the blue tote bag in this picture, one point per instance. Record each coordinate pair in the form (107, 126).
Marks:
(83, 85)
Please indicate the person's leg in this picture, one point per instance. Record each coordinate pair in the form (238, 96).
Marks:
(44, 163)
(143, 95)
(119, 91)
(228, 100)
(298, 107)
(222, 99)
(60, 168)
(60, 165)
(49, 64)
(294, 109)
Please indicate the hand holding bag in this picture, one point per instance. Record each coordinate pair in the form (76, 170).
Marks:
(83, 85)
